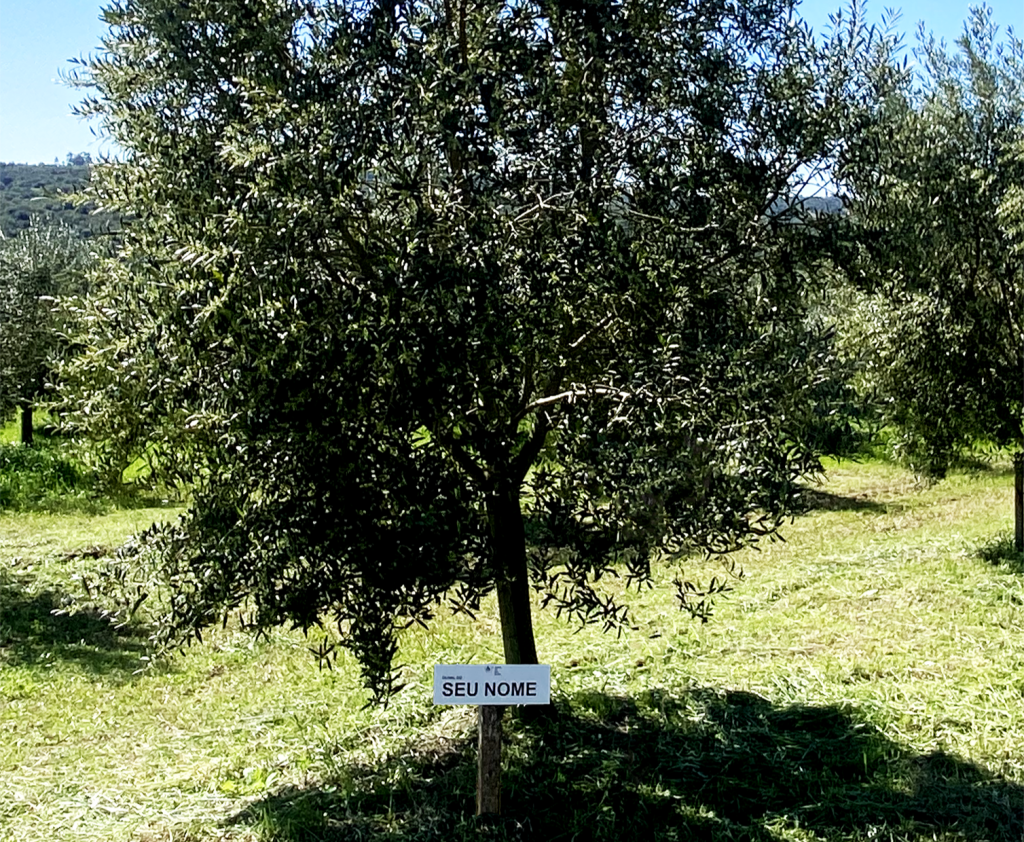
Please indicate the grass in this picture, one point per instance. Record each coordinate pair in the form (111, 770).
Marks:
(865, 681)
(49, 477)
(41, 478)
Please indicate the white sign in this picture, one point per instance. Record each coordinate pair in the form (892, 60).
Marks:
(492, 684)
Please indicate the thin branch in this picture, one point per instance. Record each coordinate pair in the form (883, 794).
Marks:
(542, 204)
(572, 394)
(463, 459)
(599, 326)
(328, 266)
(529, 452)
(362, 256)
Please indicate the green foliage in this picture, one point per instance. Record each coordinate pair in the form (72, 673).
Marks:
(936, 183)
(1011, 208)
(43, 264)
(391, 260)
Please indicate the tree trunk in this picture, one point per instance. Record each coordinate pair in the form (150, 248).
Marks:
(513, 586)
(26, 424)
(1018, 501)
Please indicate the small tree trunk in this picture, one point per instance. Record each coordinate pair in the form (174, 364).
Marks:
(26, 424)
(1018, 501)
(513, 587)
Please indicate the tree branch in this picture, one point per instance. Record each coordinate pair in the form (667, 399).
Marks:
(571, 395)
(528, 454)
(463, 459)
(362, 256)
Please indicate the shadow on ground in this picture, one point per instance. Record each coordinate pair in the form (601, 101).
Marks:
(36, 628)
(701, 765)
(1001, 552)
(814, 499)
(974, 464)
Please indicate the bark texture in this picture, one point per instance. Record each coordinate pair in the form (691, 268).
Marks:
(513, 586)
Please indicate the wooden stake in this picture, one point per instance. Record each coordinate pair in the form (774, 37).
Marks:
(488, 777)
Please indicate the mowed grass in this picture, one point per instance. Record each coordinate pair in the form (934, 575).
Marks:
(864, 681)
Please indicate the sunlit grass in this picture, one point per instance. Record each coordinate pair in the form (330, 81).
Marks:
(865, 680)
(50, 476)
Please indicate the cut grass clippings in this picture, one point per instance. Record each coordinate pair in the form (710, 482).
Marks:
(864, 681)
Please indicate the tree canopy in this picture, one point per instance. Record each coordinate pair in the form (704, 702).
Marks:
(430, 299)
(935, 187)
(42, 263)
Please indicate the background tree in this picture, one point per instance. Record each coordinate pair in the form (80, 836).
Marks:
(928, 184)
(42, 263)
(429, 299)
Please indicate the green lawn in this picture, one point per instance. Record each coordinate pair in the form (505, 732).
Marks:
(864, 681)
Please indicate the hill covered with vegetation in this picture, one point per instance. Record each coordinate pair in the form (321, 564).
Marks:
(47, 191)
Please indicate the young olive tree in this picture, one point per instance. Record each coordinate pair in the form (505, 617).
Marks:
(929, 181)
(430, 299)
(40, 264)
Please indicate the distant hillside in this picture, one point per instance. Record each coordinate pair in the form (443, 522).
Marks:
(812, 205)
(43, 190)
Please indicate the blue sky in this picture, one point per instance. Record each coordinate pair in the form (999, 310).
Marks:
(37, 37)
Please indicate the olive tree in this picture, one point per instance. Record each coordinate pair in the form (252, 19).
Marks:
(934, 185)
(430, 299)
(41, 263)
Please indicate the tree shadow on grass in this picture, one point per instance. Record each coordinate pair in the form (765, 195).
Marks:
(1001, 552)
(701, 765)
(978, 464)
(815, 499)
(36, 628)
